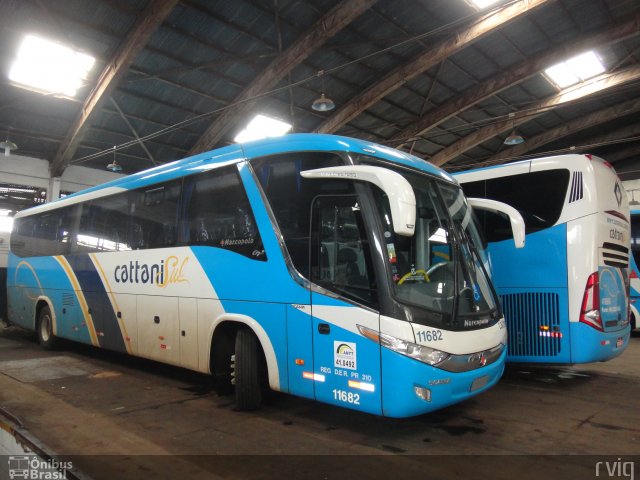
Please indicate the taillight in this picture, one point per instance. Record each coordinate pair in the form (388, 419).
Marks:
(590, 313)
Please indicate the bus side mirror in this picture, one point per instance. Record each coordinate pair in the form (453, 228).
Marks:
(399, 191)
(517, 222)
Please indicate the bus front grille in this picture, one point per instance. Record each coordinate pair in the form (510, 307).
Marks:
(533, 323)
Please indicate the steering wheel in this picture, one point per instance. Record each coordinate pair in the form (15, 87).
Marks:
(467, 291)
(433, 268)
(413, 274)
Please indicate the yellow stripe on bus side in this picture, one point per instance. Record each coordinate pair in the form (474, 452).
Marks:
(114, 302)
(83, 302)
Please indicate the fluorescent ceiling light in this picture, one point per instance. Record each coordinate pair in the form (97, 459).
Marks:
(586, 65)
(483, 3)
(49, 67)
(262, 127)
(576, 69)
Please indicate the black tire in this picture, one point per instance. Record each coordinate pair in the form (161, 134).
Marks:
(633, 322)
(247, 370)
(44, 330)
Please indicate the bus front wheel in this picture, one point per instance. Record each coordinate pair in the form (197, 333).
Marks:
(44, 330)
(247, 371)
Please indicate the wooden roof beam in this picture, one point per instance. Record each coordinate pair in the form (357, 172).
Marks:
(513, 76)
(564, 130)
(321, 31)
(461, 38)
(147, 23)
(624, 153)
(615, 136)
(571, 94)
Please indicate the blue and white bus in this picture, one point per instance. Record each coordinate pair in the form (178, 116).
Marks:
(322, 266)
(4, 253)
(565, 295)
(634, 273)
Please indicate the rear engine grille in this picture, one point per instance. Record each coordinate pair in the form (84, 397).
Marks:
(533, 323)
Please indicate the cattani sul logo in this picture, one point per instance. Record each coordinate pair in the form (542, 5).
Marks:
(166, 272)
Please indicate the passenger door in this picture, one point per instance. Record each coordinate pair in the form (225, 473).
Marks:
(346, 364)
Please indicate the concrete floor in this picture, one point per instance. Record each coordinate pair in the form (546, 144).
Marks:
(116, 416)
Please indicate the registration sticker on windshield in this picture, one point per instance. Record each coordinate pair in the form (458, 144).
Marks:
(344, 355)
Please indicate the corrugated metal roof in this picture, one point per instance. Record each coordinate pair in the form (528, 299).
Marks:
(205, 53)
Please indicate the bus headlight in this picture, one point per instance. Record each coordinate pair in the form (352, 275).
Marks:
(410, 349)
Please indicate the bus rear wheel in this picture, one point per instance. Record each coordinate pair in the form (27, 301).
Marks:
(247, 371)
(44, 330)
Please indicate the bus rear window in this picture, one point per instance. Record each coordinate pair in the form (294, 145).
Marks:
(538, 196)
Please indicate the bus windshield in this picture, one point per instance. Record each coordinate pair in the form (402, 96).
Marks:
(426, 269)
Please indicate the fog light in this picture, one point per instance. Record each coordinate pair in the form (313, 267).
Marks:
(423, 393)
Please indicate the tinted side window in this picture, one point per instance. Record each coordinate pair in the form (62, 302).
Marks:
(538, 196)
(218, 213)
(154, 212)
(104, 225)
(47, 233)
(21, 236)
(290, 196)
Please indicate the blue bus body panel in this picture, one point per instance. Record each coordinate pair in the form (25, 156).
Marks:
(532, 285)
(591, 345)
(300, 356)
(542, 263)
(333, 387)
(399, 398)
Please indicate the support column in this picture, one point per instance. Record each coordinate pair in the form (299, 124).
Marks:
(53, 192)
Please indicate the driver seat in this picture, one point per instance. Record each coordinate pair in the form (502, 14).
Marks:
(347, 262)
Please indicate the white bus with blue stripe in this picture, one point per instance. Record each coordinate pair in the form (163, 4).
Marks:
(565, 295)
(4, 253)
(322, 266)
(634, 273)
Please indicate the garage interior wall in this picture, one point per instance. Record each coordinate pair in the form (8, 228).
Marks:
(34, 172)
